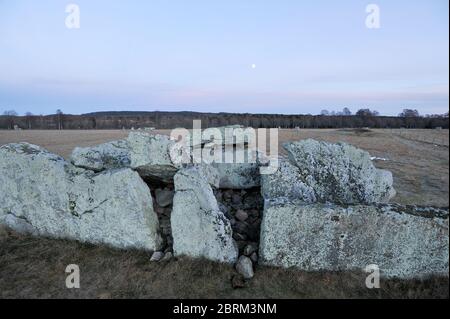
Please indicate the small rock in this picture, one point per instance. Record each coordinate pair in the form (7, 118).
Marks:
(241, 215)
(227, 195)
(239, 237)
(236, 199)
(237, 281)
(250, 249)
(241, 227)
(157, 255)
(164, 197)
(254, 257)
(244, 266)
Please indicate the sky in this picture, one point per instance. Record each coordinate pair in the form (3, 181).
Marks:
(255, 56)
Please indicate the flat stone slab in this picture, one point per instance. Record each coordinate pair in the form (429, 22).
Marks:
(405, 242)
(101, 157)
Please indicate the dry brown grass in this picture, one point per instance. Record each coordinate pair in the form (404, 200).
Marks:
(34, 268)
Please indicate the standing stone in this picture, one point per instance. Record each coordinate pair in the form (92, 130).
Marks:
(405, 242)
(199, 228)
(43, 194)
(340, 173)
(110, 155)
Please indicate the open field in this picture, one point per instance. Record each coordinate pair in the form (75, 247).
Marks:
(418, 159)
(34, 267)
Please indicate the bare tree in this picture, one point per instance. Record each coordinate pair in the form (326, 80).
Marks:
(409, 113)
(367, 113)
(60, 114)
(10, 114)
(346, 111)
(28, 118)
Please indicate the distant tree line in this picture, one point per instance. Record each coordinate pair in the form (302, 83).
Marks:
(168, 120)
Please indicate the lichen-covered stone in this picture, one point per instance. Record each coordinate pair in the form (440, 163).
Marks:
(405, 242)
(155, 156)
(286, 183)
(43, 194)
(238, 176)
(110, 155)
(340, 173)
(199, 228)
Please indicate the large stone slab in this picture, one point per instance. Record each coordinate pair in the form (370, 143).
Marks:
(43, 194)
(405, 242)
(199, 228)
(155, 156)
(101, 157)
(339, 173)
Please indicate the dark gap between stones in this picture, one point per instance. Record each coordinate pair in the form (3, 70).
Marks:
(162, 198)
(243, 207)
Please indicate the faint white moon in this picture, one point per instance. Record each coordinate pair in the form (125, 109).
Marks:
(253, 66)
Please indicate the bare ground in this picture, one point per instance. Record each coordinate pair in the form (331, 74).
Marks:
(34, 267)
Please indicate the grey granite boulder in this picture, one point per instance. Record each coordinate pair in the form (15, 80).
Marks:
(340, 173)
(199, 228)
(404, 242)
(43, 194)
